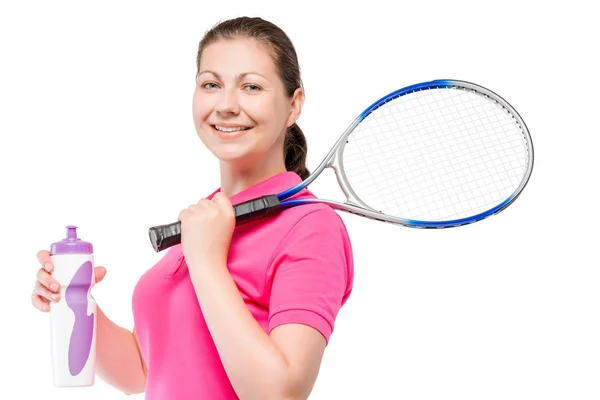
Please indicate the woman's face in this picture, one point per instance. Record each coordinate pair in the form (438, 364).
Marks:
(240, 108)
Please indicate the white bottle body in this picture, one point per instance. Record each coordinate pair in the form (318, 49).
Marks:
(73, 321)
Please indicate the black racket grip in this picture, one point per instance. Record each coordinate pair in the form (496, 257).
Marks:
(164, 236)
(256, 209)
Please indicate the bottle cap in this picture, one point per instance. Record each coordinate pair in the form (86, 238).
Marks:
(71, 244)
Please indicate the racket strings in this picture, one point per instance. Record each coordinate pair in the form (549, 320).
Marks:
(436, 154)
(420, 104)
(440, 195)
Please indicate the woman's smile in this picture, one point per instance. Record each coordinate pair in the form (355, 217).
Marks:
(230, 131)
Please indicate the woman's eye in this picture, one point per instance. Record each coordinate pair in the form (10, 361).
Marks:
(251, 88)
(210, 85)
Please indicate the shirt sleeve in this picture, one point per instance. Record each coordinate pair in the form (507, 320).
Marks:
(312, 273)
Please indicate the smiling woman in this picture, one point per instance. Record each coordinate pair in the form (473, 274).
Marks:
(215, 318)
(265, 317)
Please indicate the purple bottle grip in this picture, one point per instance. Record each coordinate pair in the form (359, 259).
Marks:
(76, 296)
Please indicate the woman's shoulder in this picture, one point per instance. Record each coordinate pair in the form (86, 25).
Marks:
(315, 233)
(318, 219)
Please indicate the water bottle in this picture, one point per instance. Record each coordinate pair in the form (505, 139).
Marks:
(73, 319)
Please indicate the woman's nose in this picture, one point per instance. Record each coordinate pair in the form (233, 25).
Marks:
(228, 102)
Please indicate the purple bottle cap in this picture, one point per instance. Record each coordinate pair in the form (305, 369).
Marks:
(71, 244)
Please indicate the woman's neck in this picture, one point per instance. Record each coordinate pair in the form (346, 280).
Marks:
(235, 180)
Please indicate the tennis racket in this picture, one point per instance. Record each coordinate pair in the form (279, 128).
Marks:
(436, 154)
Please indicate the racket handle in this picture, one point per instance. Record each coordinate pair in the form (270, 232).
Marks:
(164, 236)
(256, 209)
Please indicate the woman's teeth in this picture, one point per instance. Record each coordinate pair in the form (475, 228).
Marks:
(224, 129)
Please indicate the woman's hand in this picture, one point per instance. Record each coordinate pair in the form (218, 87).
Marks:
(206, 231)
(47, 289)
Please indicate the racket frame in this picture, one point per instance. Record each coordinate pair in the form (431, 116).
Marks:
(354, 205)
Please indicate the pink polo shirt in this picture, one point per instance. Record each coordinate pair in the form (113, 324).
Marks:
(295, 267)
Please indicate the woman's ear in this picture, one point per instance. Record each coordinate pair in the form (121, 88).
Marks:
(295, 107)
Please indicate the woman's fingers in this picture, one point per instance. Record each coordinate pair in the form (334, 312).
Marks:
(42, 297)
(45, 261)
(47, 288)
(44, 292)
(47, 280)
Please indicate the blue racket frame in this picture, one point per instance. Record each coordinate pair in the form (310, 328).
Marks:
(353, 203)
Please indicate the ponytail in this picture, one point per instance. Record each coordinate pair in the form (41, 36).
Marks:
(295, 149)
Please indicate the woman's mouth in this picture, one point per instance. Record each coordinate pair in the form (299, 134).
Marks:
(229, 132)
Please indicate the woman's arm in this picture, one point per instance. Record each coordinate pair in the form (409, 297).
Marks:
(118, 359)
(259, 366)
(281, 366)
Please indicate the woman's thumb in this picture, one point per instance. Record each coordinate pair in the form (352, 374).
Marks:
(99, 272)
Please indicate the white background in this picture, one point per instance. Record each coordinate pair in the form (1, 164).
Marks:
(96, 130)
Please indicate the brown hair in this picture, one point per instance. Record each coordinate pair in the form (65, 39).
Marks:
(286, 62)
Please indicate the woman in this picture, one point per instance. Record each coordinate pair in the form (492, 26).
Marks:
(235, 312)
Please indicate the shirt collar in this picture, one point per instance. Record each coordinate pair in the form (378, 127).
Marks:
(272, 185)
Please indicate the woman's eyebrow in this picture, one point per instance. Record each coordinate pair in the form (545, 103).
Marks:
(242, 75)
(239, 77)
